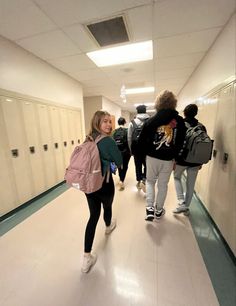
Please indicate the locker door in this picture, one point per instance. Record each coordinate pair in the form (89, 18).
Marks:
(78, 130)
(17, 144)
(222, 175)
(66, 145)
(72, 128)
(57, 142)
(33, 146)
(8, 192)
(209, 122)
(46, 146)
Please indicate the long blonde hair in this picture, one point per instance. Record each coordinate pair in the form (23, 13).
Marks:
(96, 123)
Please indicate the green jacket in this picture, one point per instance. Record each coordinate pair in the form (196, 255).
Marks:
(109, 152)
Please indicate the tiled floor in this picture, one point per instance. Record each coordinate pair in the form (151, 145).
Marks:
(140, 263)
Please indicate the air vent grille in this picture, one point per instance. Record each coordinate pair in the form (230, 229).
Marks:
(109, 32)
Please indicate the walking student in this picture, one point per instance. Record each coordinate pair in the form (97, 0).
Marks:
(134, 130)
(121, 139)
(191, 169)
(161, 138)
(101, 125)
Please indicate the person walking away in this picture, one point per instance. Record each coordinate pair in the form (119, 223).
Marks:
(161, 139)
(121, 138)
(101, 125)
(134, 130)
(182, 166)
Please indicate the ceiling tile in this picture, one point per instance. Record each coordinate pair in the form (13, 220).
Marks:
(73, 63)
(81, 37)
(178, 62)
(50, 45)
(183, 16)
(186, 43)
(20, 19)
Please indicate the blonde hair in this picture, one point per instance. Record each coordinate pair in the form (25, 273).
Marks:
(96, 122)
(165, 100)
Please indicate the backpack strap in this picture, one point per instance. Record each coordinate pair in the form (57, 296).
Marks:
(134, 124)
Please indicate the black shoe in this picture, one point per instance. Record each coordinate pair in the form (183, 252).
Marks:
(149, 214)
(159, 213)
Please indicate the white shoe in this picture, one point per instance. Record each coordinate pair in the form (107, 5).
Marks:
(122, 186)
(138, 185)
(111, 227)
(181, 209)
(88, 261)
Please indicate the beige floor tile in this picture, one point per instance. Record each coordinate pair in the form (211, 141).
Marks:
(141, 263)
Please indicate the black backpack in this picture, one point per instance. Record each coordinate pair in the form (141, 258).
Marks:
(198, 145)
(120, 137)
(135, 135)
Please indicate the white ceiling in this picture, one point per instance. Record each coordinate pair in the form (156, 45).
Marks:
(182, 32)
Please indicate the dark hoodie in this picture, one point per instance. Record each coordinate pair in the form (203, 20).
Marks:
(162, 135)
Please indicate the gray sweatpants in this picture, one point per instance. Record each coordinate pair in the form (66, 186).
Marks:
(157, 171)
(190, 182)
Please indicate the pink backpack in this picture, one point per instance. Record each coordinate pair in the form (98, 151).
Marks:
(84, 171)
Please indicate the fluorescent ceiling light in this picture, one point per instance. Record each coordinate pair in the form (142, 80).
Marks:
(123, 54)
(131, 91)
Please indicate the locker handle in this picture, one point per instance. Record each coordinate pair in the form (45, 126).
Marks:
(15, 152)
(56, 145)
(214, 153)
(65, 143)
(45, 147)
(32, 150)
(72, 142)
(78, 141)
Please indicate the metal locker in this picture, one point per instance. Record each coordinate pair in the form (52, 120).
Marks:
(18, 153)
(46, 145)
(33, 146)
(78, 129)
(8, 192)
(72, 128)
(57, 142)
(66, 145)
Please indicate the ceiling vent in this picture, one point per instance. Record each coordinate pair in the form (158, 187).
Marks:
(109, 32)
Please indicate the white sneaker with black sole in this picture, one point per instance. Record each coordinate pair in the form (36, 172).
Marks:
(181, 209)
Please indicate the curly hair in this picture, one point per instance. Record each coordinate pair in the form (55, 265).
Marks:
(165, 100)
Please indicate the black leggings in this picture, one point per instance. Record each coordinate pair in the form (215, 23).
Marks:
(122, 172)
(103, 196)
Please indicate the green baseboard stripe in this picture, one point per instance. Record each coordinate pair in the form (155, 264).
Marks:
(25, 210)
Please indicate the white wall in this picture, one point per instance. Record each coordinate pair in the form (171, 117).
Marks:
(22, 72)
(218, 65)
(111, 108)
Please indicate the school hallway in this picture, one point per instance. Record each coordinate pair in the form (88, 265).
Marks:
(140, 263)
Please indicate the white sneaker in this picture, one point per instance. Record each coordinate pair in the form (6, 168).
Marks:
(111, 227)
(181, 209)
(122, 186)
(88, 261)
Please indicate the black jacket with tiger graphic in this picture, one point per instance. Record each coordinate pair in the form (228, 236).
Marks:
(162, 135)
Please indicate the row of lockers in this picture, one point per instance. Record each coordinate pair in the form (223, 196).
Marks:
(36, 141)
(216, 181)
